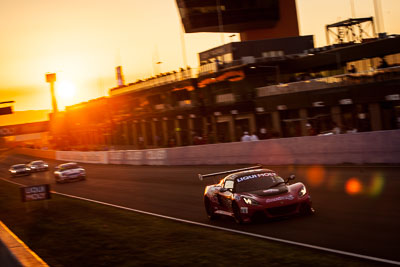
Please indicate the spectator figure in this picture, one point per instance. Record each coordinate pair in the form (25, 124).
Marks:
(141, 142)
(171, 142)
(352, 69)
(310, 129)
(196, 139)
(336, 129)
(245, 137)
(354, 130)
(263, 134)
(254, 137)
(383, 64)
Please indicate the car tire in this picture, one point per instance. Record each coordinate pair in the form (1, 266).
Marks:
(210, 213)
(236, 213)
(306, 209)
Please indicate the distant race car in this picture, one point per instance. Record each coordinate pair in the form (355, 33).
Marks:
(253, 193)
(19, 170)
(69, 172)
(38, 165)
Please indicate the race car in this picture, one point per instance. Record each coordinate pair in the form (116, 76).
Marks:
(254, 193)
(19, 170)
(38, 165)
(69, 172)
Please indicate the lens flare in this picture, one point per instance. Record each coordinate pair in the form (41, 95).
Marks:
(353, 186)
(377, 184)
(315, 176)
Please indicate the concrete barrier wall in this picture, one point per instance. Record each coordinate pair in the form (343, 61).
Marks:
(99, 157)
(356, 148)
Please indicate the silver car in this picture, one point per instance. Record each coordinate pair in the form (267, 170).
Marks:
(19, 170)
(69, 172)
(38, 165)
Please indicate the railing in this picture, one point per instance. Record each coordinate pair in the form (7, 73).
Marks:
(154, 82)
(332, 81)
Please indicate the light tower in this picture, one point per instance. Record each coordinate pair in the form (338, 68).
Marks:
(51, 78)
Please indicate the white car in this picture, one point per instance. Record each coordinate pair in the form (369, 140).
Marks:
(38, 165)
(19, 169)
(69, 172)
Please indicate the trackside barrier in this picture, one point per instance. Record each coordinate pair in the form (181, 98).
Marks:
(357, 148)
(97, 157)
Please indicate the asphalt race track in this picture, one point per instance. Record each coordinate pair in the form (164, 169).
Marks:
(357, 207)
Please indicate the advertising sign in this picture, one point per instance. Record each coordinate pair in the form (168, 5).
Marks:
(35, 192)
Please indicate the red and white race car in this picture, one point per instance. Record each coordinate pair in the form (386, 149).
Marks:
(255, 192)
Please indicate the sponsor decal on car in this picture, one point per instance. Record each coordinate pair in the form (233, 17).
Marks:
(248, 177)
(289, 197)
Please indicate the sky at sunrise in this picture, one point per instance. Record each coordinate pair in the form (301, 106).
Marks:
(82, 41)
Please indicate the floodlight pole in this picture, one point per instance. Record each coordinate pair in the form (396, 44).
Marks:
(51, 78)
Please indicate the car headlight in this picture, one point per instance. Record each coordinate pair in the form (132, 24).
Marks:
(250, 201)
(302, 191)
(27, 169)
(13, 171)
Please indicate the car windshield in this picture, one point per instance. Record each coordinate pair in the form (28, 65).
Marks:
(68, 167)
(257, 181)
(37, 163)
(20, 166)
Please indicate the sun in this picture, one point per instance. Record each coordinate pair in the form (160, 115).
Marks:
(65, 90)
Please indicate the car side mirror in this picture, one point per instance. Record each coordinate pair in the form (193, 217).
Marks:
(291, 177)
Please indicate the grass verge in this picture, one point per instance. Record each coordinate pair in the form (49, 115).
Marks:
(70, 232)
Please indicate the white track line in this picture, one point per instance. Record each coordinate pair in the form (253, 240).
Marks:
(228, 230)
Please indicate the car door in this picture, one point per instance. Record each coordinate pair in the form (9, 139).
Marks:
(225, 196)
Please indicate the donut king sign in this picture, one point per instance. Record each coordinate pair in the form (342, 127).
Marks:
(35, 192)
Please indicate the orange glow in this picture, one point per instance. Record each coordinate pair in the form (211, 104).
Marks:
(232, 76)
(188, 88)
(315, 175)
(353, 186)
(89, 46)
(65, 90)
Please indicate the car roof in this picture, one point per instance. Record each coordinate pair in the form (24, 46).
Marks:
(67, 164)
(19, 165)
(235, 175)
(37, 161)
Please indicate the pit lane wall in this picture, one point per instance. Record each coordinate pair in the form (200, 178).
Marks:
(356, 148)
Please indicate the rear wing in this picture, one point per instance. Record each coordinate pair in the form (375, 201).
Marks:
(202, 176)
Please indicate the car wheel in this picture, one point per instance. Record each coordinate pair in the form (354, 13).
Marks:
(236, 213)
(306, 209)
(210, 213)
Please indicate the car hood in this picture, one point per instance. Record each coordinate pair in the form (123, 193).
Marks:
(271, 191)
